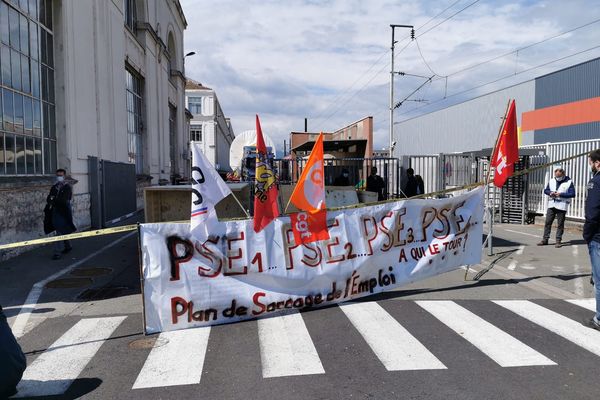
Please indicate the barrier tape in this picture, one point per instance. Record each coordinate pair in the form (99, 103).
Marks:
(129, 228)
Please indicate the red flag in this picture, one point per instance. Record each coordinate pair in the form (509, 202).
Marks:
(309, 227)
(309, 196)
(506, 153)
(265, 185)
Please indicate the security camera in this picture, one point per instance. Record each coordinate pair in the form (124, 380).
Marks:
(393, 144)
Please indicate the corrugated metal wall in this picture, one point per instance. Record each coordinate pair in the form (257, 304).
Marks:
(468, 126)
(575, 83)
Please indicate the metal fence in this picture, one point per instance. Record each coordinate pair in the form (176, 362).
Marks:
(359, 169)
(576, 169)
(112, 191)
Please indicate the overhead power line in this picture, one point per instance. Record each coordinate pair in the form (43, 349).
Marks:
(346, 91)
(503, 77)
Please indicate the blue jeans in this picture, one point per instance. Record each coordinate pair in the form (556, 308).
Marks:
(594, 249)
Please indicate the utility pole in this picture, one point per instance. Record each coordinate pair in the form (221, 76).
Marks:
(391, 148)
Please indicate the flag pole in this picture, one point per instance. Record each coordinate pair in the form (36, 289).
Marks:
(240, 204)
(491, 209)
(487, 178)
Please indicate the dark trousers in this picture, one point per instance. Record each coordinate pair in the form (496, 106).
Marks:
(552, 213)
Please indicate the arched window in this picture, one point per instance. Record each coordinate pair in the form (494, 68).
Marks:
(130, 13)
(172, 50)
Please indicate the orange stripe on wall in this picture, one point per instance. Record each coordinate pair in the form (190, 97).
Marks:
(577, 112)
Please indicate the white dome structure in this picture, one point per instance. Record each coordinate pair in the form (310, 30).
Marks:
(246, 138)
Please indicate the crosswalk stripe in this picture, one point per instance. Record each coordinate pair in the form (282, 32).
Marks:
(286, 348)
(56, 368)
(397, 349)
(569, 329)
(179, 361)
(501, 347)
(590, 304)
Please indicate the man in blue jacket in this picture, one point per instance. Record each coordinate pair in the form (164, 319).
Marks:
(591, 229)
(560, 189)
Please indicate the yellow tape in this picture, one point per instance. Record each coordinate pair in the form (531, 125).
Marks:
(78, 235)
(128, 228)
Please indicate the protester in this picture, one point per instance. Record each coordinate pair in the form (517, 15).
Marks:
(58, 214)
(591, 229)
(560, 189)
(342, 179)
(12, 360)
(375, 183)
(412, 185)
(420, 185)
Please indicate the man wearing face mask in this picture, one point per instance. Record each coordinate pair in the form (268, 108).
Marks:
(58, 215)
(591, 230)
(560, 191)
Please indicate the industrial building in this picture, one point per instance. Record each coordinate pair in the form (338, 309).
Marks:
(562, 106)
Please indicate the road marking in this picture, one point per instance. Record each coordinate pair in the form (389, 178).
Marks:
(522, 233)
(469, 268)
(178, 362)
(569, 329)
(590, 304)
(397, 349)
(578, 282)
(19, 326)
(501, 347)
(513, 264)
(56, 368)
(575, 251)
(286, 348)
(527, 266)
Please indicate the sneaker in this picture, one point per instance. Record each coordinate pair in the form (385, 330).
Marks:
(67, 249)
(56, 257)
(543, 243)
(558, 244)
(593, 323)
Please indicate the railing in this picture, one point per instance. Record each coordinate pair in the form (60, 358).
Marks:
(576, 169)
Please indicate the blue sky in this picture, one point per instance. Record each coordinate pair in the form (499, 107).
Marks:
(329, 60)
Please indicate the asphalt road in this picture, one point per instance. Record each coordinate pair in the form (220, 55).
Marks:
(514, 333)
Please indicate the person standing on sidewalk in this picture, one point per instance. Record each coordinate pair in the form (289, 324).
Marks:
(58, 214)
(591, 230)
(560, 189)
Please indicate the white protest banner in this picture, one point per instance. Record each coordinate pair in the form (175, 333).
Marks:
(241, 274)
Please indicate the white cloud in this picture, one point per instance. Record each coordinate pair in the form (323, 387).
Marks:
(295, 59)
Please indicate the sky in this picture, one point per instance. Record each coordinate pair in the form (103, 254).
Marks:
(329, 61)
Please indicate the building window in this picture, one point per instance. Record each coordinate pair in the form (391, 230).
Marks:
(133, 91)
(173, 140)
(130, 13)
(196, 133)
(195, 105)
(27, 127)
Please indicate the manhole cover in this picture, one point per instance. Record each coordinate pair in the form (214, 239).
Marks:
(148, 343)
(107, 292)
(92, 271)
(66, 283)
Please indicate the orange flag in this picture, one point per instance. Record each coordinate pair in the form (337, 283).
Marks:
(309, 196)
(265, 185)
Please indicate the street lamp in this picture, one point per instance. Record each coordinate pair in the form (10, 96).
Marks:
(191, 53)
